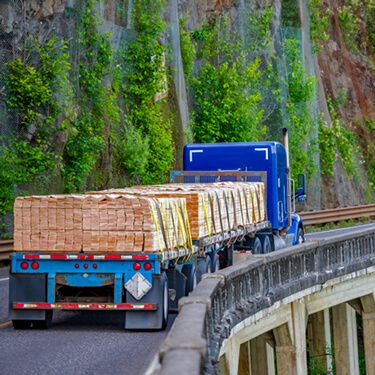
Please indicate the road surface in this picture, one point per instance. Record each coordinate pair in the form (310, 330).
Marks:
(84, 342)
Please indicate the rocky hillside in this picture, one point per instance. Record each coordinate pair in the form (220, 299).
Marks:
(100, 94)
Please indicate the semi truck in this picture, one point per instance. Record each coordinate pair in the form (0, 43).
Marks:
(146, 287)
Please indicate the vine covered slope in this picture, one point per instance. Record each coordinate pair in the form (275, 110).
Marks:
(98, 94)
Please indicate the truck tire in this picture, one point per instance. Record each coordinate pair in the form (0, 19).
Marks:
(204, 264)
(266, 244)
(256, 245)
(215, 263)
(226, 256)
(21, 324)
(191, 277)
(300, 235)
(45, 323)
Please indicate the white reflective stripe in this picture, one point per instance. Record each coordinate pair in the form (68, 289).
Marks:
(193, 152)
(75, 306)
(263, 149)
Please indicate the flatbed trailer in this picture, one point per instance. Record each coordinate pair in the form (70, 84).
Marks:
(144, 286)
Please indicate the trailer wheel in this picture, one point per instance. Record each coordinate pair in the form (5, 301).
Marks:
(45, 323)
(256, 245)
(215, 263)
(21, 324)
(191, 277)
(165, 306)
(203, 266)
(266, 243)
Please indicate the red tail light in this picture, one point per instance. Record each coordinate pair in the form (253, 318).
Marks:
(76, 265)
(24, 265)
(147, 266)
(95, 266)
(85, 266)
(34, 265)
(137, 266)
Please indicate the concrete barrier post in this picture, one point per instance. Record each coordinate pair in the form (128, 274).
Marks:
(319, 341)
(262, 355)
(368, 317)
(244, 365)
(299, 316)
(345, 339)
(285, 351)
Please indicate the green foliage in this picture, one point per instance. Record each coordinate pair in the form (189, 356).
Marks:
(350, 25)
(134, 151)
(93, 96)
(327, 153)
(300, 92)
(345, 141)
(32, 89)
(357, 23)
(289, 13)
(188, 51)
(369, 17)
(336, 141)
(227, 99)
(370, 155)
(258, 31)
(145, 77)
(319, 23)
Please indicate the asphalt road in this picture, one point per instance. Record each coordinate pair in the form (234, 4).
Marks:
(77, 343)
(335, 232)
(83, 342)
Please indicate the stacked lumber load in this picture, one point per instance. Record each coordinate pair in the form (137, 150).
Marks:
(138, 219)
(213, 207)
(100, 223)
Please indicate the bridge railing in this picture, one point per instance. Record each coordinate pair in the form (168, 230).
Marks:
(224, 299)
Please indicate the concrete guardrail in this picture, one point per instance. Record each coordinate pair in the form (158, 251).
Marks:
(224, 299)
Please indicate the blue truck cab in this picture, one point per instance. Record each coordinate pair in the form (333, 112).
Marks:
(269, 157)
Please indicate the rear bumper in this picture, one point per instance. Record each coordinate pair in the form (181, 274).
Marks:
(83, 306)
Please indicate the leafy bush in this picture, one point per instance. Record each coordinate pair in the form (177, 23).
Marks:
(145, 77)
(188, 51)
(227, 98)
(86, 134)
(319, 23)
(31, 91)
(336, 141)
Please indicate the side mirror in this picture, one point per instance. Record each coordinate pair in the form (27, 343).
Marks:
(301, 190)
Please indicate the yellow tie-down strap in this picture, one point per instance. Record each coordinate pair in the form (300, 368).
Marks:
(255, 218)
(205, 213)
(155, 218)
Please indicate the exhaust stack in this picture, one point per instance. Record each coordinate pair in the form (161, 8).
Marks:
(289, 192)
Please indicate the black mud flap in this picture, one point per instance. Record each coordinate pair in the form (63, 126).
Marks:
(27, 289)
(147, 319)
(177, 286)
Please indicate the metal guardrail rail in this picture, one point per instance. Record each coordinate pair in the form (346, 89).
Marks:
(337, 214)
(225, 298)
(6, 247)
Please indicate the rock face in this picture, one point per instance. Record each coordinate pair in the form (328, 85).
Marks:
(348, 73)
(339, 69)
(342, 70)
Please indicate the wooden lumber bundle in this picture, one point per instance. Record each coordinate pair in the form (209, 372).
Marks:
(100, 223)
(213, 207)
